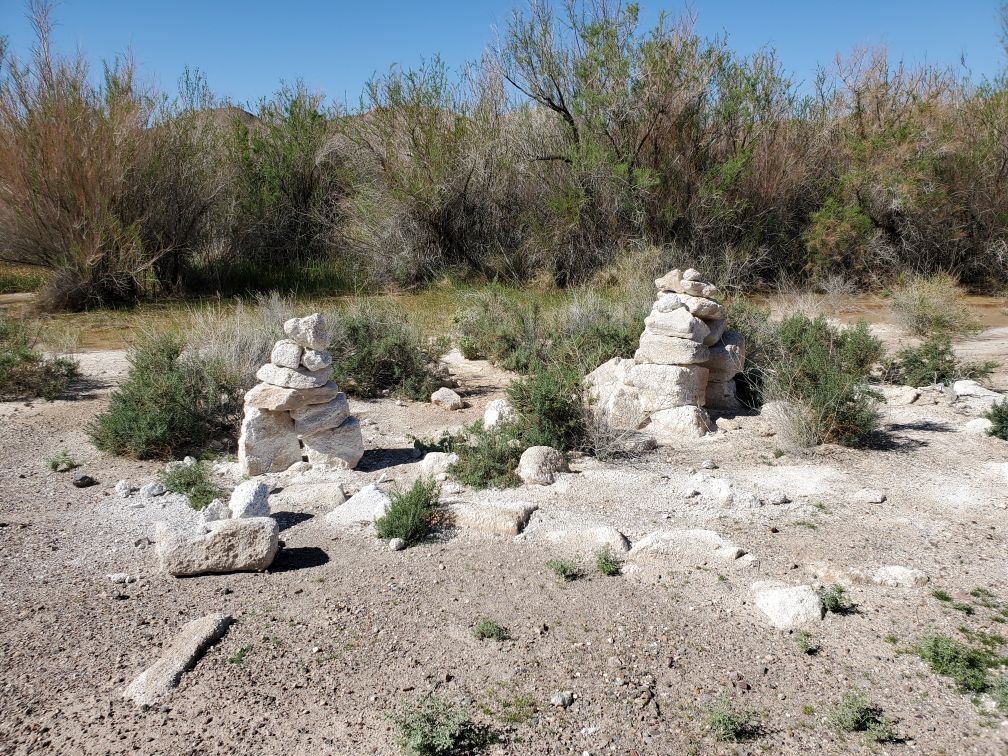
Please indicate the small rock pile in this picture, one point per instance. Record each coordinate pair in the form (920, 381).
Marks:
(686, 361)
(296, 412)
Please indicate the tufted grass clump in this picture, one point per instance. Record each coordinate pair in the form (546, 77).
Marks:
(488, 629)
(856, 713)
(25, 373)
(566, 570)
(932, 306)
(61, 462)
(728, 724)
(411, 514)
(193, 480)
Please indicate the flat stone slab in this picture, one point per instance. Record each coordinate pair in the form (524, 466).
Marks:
(587, 540)
(157, 681)
(365, 506)
(297, 378)
(503, 518)
(787, 607)
(686, 546)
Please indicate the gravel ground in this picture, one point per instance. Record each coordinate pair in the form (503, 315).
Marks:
(341, 633)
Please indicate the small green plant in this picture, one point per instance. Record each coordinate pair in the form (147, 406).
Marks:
(934, 361)
(606, 563)
(489, 458)
(967, 667)
(61, 462)
(195, 481)
(834, 600)
(549, 405)
(856, 713)
(487, 629)
(998, 415)
(778, 453)
(240, 654)
(411, 514)
(564, 569)
(998, 691)
(726, 723)
(891, 638)
(941, 595)
(434, 727)
(806, 643)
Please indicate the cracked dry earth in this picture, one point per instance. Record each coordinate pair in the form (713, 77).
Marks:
(340, 632)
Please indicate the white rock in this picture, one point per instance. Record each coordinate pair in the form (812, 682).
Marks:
(902, 395)
(787, 607)
(286, 354)
(313, 418)
(705, 309)
(120, 578)
(215, 510)
(250, 499)
(667, 303)
(691, 274)
(313, 359)
(701, 289)
(980, 425)
(588, 541)
(161, 678)
(310, 332)
(435, 464)
(293, 378)
(539, 465)
(268, 397)
(446, 398)
(267, 442)
(611, 401)
(685, 547)
(869, 496)
(679, 323)
(974, 389)
(671, 424)
(670, 282)
(498, 517)
(367, 505)
(717, 329)
(340, 447)
(777, 497)
(727, 357)
(396, 544)
(669, 350)
(242, 545)
(153, 489)
(897, 576)
(123, 488)
(497, 410)
(662, 387)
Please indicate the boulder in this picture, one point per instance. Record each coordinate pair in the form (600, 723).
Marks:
(161, 678)
(340, 447)
(705, 309)
(661, 387)
(588, 541)
(685, 548)
(679, 323)
(973, 389)
(539, 465)
(286, 354)
(669, 350)
(981, 425)
(314, 418)
(496, 517)
(267, 442)
(268, 397)
(496, 411)
(677, 422)
(298, 378)
(897, 576)
(314, 359)
(123, 488)
(250, 499)
(367, 505)
(787, 607)
(717, 329)
(310, 332)
(727, 357)
(446, 398)
(223, 546)
(435, 464)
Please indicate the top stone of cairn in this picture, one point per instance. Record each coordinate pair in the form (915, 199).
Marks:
(688, 282)
(309, 332)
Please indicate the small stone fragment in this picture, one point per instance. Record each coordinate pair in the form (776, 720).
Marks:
(250, 499)
(123, 488)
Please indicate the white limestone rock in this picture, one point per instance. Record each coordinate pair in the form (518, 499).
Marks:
(310, 332)
(315, 360)
(662, 387)
(250, 499)
(314, 418)
(447, 399)
(678, 422)
(980, 425)
(679, 323)
(365, 506)
(495, 517)
(267, 442)
(691, 274)
(588, 541)
(123, 489)
(787, 607)
(705, 309)
(153, 489)
(294, 378)
(286, 354)
(685, 548)
(897, 576)
(539, 465)
(727, 357)
(700, 289)
(215, 510)
(268, 397)
(973, 389)
(435, 464)
(497, 410)
(669, 350)
(670, 282)
(668, 303)
(869, 496)
(340, 447)
(224, 546)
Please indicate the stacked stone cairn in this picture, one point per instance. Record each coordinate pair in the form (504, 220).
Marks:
(686, 361)
(296, 413)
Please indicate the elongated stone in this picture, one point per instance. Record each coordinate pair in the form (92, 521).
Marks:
(268, 397)
(293, 378)
(340, 447)
(669, 350)
(319, 417)
(706, 309)
(679, 323)
(662, 387)
(680, 422)
(268, 442)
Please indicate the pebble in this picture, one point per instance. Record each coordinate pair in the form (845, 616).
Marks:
(152, 489)
(777, 498)
(396, 544)
(562, 698)
(708, 464)
(123, 488)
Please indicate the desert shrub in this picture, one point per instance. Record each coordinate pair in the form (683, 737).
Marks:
(488, 629)
(728, 724)
(411, 513)
(933, 361)
(753, 322)
(61, 462)
(566, 570)
(806, 643)
(193, 480)
(607, 564)
(25, 373)
(998, 415)
(821, 372)
(834, 600)
(967, 667)
(376, 349)
(434, 727)
(549, 407)
(856, 713)
(931, 306)
(488, 458)
(491, 324)
(169, 402)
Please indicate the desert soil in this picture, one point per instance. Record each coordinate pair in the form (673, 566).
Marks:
(340, 633)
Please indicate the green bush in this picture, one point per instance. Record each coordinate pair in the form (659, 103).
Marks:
(411, 513)
(549, 407)
(968, 667)
(856, 713)
(834, 600)
(998, 415)
(726, 723)
(607, 564)
(376, 349)
(434, 727)
(933, 361)
(488, 458)
(931, 306)
(487, 629)
(24, 372)
(492, 325)
(565, 569)
(169, 403)
(193, 480)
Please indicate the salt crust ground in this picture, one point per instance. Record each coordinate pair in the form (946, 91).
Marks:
(340, 632)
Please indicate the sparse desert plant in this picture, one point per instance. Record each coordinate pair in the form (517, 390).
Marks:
(932, 306)
(835, 600)
(606, 563)
(487, 629)
(434, 727)
(61, 462)
(488, 458)
(856, 713)
(25, 373)
(934, 361)
(549, 406)
(998, 415)
(195, 481)
(493, 324)
(565, 569)
(411, 514)
(724, 722)
(967, 667)
(806, 643)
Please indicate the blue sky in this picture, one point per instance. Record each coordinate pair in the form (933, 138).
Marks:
(246, 48)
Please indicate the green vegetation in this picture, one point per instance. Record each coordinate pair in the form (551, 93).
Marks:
(61, 462)
(607, 564)
(967, 667)
(856, 713)
(834, 600)
(411, 514)
(239, 656)
(565, 569)
(488, 458)
(933, 361)
(728, 724)
(487, 629)
(24, 372)
(433, 727)
(806, 643)
(998, 415)
(931, 306)
(195, 481)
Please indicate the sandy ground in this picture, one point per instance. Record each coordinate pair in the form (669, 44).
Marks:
(340, 633)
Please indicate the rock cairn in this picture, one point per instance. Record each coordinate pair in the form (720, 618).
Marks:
(296, 412)
(686, 361)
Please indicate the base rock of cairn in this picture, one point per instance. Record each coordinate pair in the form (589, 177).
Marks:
(686, 361)
(296, 412)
